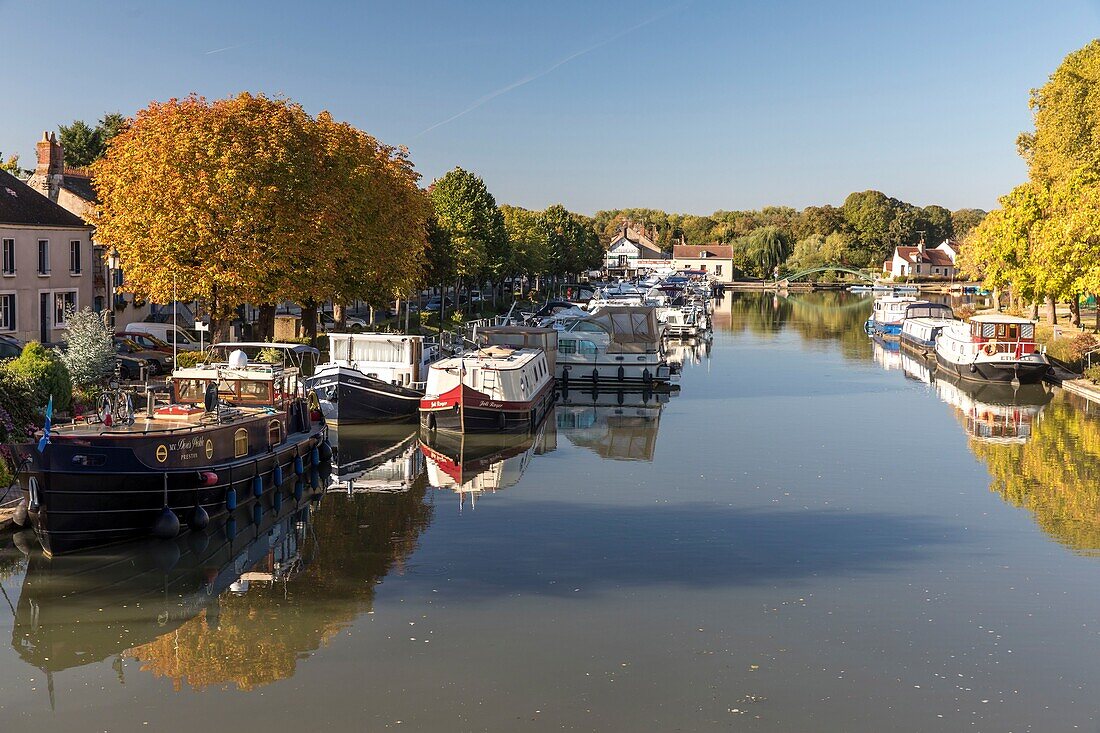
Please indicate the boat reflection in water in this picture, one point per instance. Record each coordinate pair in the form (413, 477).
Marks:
(886, 353)
(473, 464)
(75, 610)
(993, 412)
(917, 367)
(682, 352)
(615, 425)
(375, 458)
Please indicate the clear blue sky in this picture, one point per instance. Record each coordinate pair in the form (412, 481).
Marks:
(691, 106)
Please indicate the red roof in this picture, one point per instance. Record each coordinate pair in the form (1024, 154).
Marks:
(936, 257)
(695, 251)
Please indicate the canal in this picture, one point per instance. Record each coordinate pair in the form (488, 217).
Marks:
(815, 534)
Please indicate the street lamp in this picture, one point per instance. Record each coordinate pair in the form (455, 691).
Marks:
(112, 267)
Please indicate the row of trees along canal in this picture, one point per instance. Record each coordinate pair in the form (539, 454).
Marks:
(252, 200)
(1043, 243)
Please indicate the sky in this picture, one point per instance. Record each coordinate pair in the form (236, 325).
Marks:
(689, 106)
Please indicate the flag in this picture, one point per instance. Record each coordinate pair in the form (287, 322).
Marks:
(45, 439)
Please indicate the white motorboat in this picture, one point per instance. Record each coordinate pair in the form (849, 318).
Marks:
(992, 348)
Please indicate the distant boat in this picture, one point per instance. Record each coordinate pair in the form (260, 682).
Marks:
(921, 324)
(887, 314)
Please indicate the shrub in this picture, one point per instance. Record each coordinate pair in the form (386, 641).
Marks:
(19, 414)
(189, 359)
(964, 311)
(46, 374)
(1071, 349)
(1093, 374)
(90, 357)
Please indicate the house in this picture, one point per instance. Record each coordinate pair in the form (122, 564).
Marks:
(46, 263)
(715, 259)
(630, 249)
(921, 262)
(72, 189)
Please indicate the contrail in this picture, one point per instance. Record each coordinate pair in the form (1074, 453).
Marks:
(219, 50)
(539, 74)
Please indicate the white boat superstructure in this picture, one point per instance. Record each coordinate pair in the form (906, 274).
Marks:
(617, 345)
(992, 348)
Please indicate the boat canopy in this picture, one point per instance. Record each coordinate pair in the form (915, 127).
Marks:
(927, 309)
(630, 328)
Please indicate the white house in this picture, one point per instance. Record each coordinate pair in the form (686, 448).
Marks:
(628, 247)
(920, 261)
(46, 263)
(715, 259)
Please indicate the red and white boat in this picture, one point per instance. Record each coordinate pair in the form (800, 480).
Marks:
(497, 389)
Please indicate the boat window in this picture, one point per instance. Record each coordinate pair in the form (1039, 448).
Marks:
(586, 347)
(1008, 331)
(253, 392)
(240, 443)
(988, 330)
(1027, 331)
(384, 351)
(567, 347)
(274, 432)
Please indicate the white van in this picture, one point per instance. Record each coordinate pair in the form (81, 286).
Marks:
(185, 340)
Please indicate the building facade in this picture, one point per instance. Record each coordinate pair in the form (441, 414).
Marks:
(923, 262)
(72, 189)
(47, 265)
(714, 259)
(630, 245)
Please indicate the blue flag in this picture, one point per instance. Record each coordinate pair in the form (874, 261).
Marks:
(45, 439)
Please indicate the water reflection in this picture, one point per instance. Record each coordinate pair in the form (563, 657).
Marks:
(476, 463)
(886, 353)
(619, 426)
(688, 352)
(994, 412)
(917, 368)
(375, 458)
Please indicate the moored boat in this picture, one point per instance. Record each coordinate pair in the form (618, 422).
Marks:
(993, 348)
(372, 377)
(887, 314)
(618, 346)
(229, 434)
(497, 389)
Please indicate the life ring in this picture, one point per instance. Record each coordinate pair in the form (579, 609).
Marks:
(990, 348)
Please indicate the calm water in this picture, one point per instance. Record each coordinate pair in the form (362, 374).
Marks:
(815, 534)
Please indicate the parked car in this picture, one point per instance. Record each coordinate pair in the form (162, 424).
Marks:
(184, 339)
(10, 347)
(147, 341)
(135, 357)
(434, 304)
(327, 322)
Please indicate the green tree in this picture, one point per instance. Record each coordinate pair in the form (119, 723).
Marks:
(468, 213)
(529, 255)
(46, 375)
(90, 356)
(11, 165)
(964, 220)
(81, 143)
(769, 247)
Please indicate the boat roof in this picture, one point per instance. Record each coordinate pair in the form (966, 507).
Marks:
(999, 318)
(515, 329)
(282, 346)
(896, 299)
(931, 321)
(496, 356)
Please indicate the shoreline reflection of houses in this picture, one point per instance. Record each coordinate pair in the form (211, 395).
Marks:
(619, 426)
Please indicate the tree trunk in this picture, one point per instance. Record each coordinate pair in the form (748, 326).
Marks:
(309, 320)
(1033, 314)
(265, 326)
(1075, 311)
(1051, 311)
(997, 300)
(340, 315)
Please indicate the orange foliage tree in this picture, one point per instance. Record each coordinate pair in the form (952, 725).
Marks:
(251, 200)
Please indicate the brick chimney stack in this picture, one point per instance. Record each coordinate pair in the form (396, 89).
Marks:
(50, 170)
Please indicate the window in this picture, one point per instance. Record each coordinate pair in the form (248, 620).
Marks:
(624, 260)
(7, 311)
(63, 302)
(274, 433)
(586, 347)
(43, 257)
(7, 261)
(240, 443)
(717, 269)
(567, 347)
(74, 257)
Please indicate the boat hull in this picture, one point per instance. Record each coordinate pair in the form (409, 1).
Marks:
(1025, 372)
(348, 396)
(475, 413)
(81, 495)
(627, 376)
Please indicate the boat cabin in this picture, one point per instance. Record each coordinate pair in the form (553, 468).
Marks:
(928, 309)
(502, 373)
(521, 337)
(996, 330)
(399, 359)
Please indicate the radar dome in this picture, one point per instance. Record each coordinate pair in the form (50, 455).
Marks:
(238, 359)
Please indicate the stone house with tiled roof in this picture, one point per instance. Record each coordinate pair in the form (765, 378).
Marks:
(73, 190)
(630, 245)
(714, 259)
(921, 261)
(46, 263)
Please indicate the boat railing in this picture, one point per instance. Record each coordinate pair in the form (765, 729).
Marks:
(1019, 348)
(1092, 356)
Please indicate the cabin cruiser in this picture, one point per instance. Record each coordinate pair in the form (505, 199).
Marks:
(371, 377)
(887, 315)
(921, 325)
(617, 346)
(228, 433)
(992, 348)
(496, 389)
(994, 412)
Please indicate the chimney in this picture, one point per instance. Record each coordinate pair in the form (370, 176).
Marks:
(51, 157)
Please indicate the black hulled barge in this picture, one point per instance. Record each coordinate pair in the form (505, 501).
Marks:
(230, 433)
